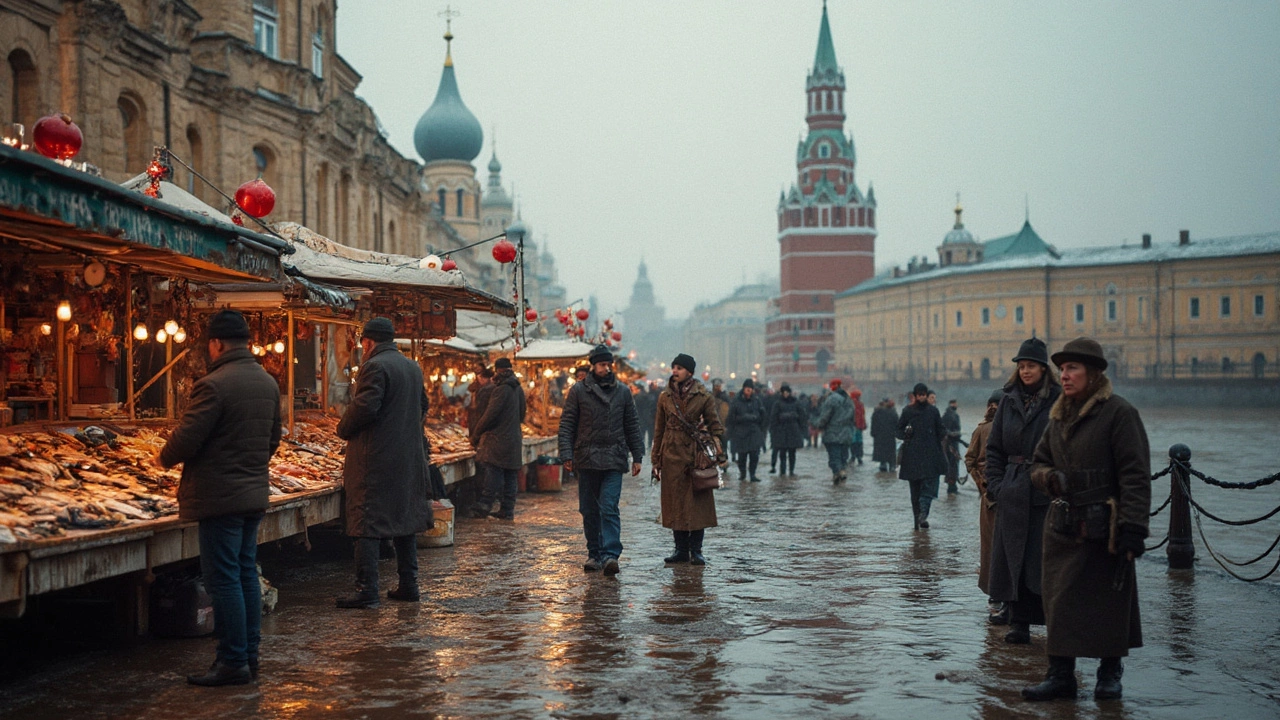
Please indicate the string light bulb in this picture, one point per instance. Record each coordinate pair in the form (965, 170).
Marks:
(278, 347)
(171, 327)
(140, 332)
(162, 337)
(46, 329)
(180, 336)
(64, 311)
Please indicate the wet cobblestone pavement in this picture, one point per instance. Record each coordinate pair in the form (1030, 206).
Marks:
(818, 601)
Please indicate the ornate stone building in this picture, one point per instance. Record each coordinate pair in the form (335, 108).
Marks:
(826, 231)
(645, 326)
(1176, 311)
(728, 336)
(238, 88)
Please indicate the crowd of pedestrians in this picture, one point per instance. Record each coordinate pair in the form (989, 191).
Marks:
(1061, 463)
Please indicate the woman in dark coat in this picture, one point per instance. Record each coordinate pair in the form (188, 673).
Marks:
(685, 511)
(746, 425)
(1020, 509)
(884, 425)
(1094, 460)
(788, 428)
(921, 429)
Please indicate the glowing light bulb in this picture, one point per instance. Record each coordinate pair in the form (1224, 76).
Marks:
(64, 311)
(171, 327)
(180, 336)
(278, 347)
(256, 349)
(547, 373)
(46, 329)
(162, 336)
(140, 332)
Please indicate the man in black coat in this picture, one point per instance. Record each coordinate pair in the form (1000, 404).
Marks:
(746, 425)
(598, 429)
(884, 430)
(920, 427)
(224, 441)
(499, 443)
(385, 472)
(646, 402)
(951, 446)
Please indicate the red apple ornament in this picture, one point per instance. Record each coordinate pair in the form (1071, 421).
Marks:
(55, 136)
(503, 251)
(531, 315)
(448, 264)
(583, 314)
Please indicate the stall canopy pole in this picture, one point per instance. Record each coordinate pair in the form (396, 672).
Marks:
(168, 366)
(128, 340)
(325, 343)
(168, 379)
(289, 361)
(60, 354)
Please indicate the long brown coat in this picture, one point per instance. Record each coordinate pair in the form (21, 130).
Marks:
(975, 461)
(1086, 615)
(683, 508)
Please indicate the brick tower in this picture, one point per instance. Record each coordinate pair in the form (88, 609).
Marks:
(826, 232)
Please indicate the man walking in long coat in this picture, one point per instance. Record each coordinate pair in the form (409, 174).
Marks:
(598, 430)
(385, 473)
(920, 427)
(835, 420)
(884, 429)
(499, 443)
(746, 425)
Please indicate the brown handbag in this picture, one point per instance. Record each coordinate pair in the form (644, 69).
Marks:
(706, 471)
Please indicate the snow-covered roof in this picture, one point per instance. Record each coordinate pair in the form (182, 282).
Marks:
(318, 257)
(554, 350)
(177, 197)
(1239, 245)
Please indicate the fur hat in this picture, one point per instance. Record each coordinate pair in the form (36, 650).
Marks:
(996, 396)
(600, 354)
(502, 363)
(920, 389)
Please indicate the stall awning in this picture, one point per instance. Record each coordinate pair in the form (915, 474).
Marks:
(54, 209)
(554, 350)
(319, 258)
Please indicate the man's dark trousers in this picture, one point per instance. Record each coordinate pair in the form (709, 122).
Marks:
(367, 553)
(229, 563)
(598, 494)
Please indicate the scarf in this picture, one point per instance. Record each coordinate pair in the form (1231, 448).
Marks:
(681, 389)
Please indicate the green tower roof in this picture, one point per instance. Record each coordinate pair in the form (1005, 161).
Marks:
(825, 59)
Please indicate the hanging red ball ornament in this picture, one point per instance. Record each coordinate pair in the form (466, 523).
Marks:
(448, 265)
(617, 336)
(256, 198)
(55, 136)
(531, 315)
(608, 322)
(583, 314)
(235, 218)
(503, 251)
(582, 331)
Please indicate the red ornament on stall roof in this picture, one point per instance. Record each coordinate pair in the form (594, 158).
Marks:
(608, 322)
(55, 136)
(503, 251)
(448, 264)
(256, 198)
(531, 315)
(583, 314)
(582, 331)
(235, 218)
(617, 336)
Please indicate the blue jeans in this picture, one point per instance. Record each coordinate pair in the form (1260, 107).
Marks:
(228, 560)
(837, 456)
(598, 495)
(499, 483)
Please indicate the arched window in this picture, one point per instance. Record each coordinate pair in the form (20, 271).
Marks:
(441, 196)
(26, 90)
(824, 150)
(460, 196)
(135, 132)
(195, 158)
(391, 237)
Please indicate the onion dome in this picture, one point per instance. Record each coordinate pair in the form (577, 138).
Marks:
(959, 234)
(448, 130)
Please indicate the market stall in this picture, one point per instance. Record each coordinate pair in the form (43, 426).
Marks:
(546, 369)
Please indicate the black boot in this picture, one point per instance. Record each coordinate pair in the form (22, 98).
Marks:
(222, 674)
(1001, 616)
(695, 547)
(681, 555)
(1109, 674)
(1019, 633)
(1059, 682)
(407, 591)
(366, 594)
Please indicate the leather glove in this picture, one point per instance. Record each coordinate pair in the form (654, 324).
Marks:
(1131, 540)
(908, 432)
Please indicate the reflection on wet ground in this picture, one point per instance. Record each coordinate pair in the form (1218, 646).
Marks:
(818, 601)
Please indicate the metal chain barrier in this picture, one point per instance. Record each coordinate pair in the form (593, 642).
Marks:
(1222, 560)
(1230, 485)
(1159, 545)
(1162, 507)
(1210, 515)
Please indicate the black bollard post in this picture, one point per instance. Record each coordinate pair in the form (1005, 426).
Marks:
(1181, 551)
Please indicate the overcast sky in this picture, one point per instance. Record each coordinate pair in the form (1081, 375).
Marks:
(666, 128)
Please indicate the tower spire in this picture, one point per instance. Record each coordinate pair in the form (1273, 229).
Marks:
(958, 211)
(448, 14)
(824, 60)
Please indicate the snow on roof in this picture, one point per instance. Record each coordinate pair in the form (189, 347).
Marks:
(554, 349)
(177, 197)
(319, 257)
(1239, 245)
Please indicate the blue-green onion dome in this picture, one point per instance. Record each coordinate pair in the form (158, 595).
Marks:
(448, 130)
(959, 234)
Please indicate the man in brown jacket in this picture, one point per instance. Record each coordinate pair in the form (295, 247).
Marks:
(975, 461)
(1094, 460)
(224, 442)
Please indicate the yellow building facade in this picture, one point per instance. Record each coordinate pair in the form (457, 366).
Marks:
(727, 337)
(1203, 309)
